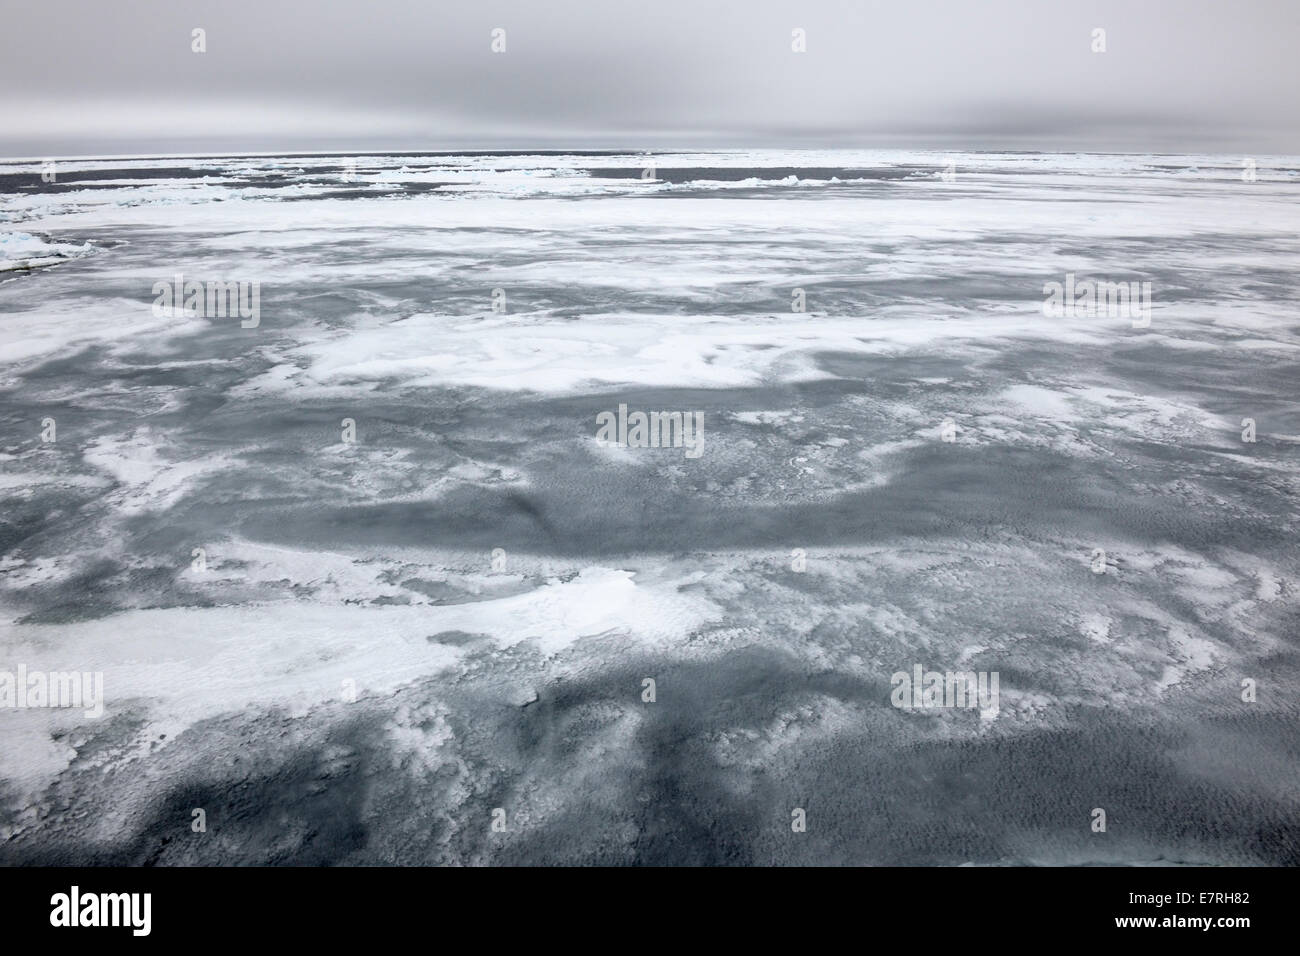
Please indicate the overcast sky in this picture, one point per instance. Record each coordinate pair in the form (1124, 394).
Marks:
(84, 77)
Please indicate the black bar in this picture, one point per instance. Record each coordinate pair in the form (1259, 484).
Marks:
(970, 904)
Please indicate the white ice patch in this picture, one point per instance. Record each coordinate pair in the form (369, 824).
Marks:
(147, 480)
(71, 322)
(1042, 402)
(177, 666)
(21, 250)
(1096, 627)
(562, 355)
(1192, 654)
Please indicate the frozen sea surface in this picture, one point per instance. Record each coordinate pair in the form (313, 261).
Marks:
(357, 675)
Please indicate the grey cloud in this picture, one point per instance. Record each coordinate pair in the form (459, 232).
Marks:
(84, 77)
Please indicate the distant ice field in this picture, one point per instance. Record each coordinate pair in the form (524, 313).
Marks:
(390, 637)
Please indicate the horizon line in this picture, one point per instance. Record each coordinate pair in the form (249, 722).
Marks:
(615, 151)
